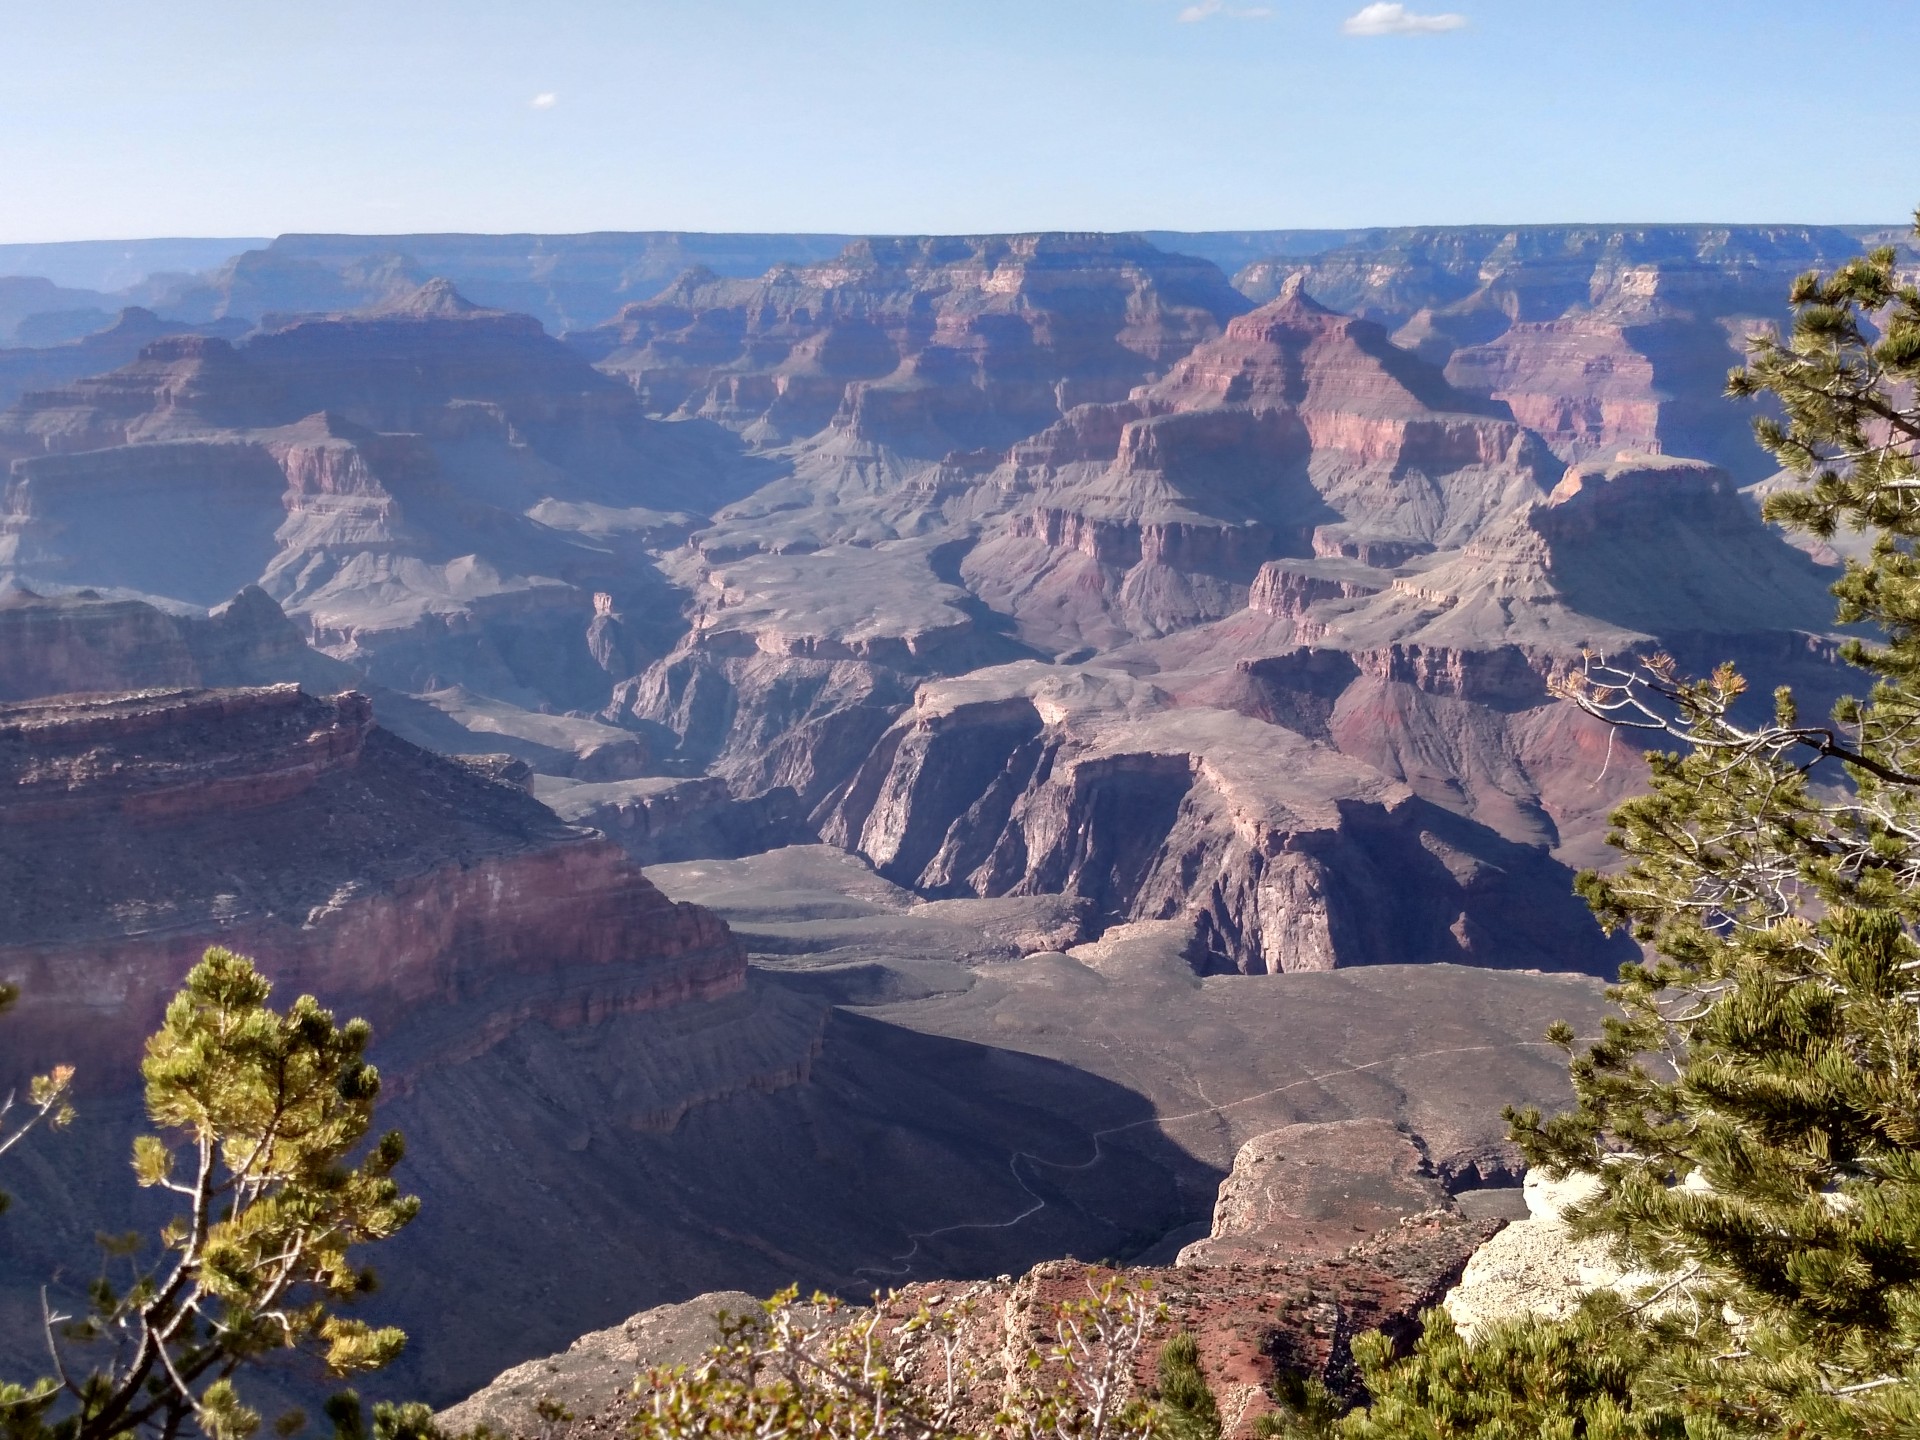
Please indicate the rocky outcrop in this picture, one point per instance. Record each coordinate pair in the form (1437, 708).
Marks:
(1283, 853)
(1260, 1320)
(107, 346)
(379, 475)
(192, 520)
(84, 643)
(765, 723)
(1538, 1267)
(1622, 550)
(1317, 1189)
(134, 832)
(1321, 1232)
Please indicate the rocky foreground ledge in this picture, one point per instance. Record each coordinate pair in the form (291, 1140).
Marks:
(1279, 1288)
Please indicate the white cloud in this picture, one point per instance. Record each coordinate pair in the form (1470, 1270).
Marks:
(546, 100)
(1386, 19)
(1207, 9)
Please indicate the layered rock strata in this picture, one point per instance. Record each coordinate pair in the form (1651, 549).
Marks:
(924, 345)
(380, 475)
(1599, 338)
(136, 831)
(1317, 1189)
(1284, 854)
(1297, 432)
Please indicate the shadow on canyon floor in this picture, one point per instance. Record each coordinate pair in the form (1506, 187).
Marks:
(552, 1206)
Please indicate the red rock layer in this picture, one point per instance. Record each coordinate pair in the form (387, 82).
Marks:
(134, 832)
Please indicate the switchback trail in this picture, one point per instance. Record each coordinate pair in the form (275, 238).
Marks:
(902, 1265)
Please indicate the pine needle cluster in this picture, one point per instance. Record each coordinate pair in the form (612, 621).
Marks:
(258, 1118)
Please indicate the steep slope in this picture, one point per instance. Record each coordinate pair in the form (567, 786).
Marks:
(1271, 851)
(1311, 1143)
(1374, 575)
(139, 830)
(1170, 685)
(595, 1091)
(115, 341)
(84, 643)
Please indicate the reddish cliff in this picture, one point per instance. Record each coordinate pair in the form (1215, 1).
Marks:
(1297, 431)
(1279, 852)
(136, 831)
(1598, 337)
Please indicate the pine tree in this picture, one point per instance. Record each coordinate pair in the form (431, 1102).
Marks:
(257, 1116)
(1185, 1408)
(1752, 1115)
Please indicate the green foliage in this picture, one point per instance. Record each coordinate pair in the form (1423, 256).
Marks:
(257, 1114)
(410, 1421)
(49, 1101)
(1752, 1113)
(1307, 1410)
(1597, 1376)
(1185, 1409)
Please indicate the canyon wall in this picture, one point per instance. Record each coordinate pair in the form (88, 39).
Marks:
(136, 831)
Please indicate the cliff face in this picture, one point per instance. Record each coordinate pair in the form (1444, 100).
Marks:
(139, 830)
(1300, 527)
(1160, 671)
(119, 339)
(395, 368)
(1300, 594)
(1282, 854)
(1297, 432)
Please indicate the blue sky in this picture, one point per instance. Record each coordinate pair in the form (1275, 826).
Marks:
(238, 117)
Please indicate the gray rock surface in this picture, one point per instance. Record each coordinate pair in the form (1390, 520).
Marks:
(598, 1368)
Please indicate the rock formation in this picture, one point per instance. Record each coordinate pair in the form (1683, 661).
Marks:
(1312, 1189)
(1235, 620)
(1167, 685)
(1297, 432)
(139, 830)
(1282, 854)
(922, 345)
(114, 342)
(379, 475)
(1599, 338)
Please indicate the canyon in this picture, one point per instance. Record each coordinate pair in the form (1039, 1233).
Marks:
(1090, 726)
